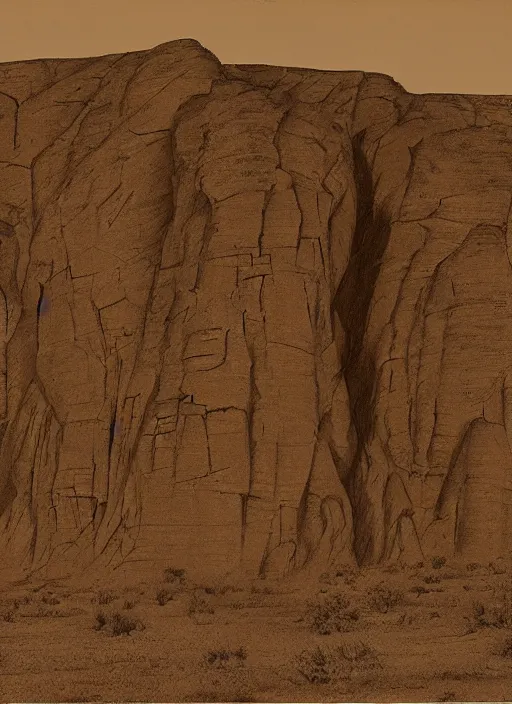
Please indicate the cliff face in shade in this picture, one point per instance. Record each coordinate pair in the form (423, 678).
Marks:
(252, 319)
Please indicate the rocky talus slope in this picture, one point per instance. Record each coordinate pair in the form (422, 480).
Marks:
(253, 320)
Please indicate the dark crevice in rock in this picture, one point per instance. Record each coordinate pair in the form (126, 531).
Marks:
(352, 302)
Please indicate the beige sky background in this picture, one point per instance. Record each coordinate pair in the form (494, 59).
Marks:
(461, 46)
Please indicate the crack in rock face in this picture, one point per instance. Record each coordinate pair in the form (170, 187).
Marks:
(252, 323)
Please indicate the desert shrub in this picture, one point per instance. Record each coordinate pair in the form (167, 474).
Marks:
(49, 599)
(348, 576)
(224, 658)
(497, 615)
(122, 625)
(325, 665)
(320, 666)
(496, 612)
(505, 649)
(472, 566)
(438, 562)
(9, 616)
(101, 620)
(497, 567)
(432, 579)
(199, 605)
(332, 615)
(448, 697)
(105, 598)
(117, 624)
(163, 596)
(383, 599)
(45, 612)
(419, 589)
(174, 576)
(128, 604)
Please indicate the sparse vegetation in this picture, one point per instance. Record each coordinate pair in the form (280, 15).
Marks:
(505, 649)
(175, 576)
(432, 579)
(101, 620)
(50, 599)
(223, 658)
(332, 615)
(438, 562)
(383, 599)
(497, 568)
(328, 665)
(128, 604)
(497, 615)
(163, 596)
(448, 697)
(199, 605)
(9, 616)
(117, 624)
(105, 598)
(348, 576)
(497, 612)
(255, 589)
(122, 625)
(472, 566)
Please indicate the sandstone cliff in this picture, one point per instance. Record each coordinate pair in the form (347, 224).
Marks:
(253, 320)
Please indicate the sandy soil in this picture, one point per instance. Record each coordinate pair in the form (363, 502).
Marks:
(431, 633)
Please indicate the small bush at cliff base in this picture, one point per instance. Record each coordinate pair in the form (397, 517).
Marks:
(101, 620)
(199, 605)
(174, 576)
(432, 579)
(49, 599)
(438, 562)
(163, 596)
(329, 665)
(105, 598)
(223, 658)
(383, 599)
(117, 624)
(493, 616)
(332, 615)
(505, 649)
(122, 625)
(496, 612)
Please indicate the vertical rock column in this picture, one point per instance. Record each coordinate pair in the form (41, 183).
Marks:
(295, 356)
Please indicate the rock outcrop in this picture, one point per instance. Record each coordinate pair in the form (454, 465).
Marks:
(253, 320)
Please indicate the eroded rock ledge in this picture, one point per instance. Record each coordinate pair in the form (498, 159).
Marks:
(252, 319)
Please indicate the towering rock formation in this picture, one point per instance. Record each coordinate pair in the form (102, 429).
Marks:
(253, 320)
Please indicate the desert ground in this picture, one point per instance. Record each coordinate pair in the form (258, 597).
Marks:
(435, 632)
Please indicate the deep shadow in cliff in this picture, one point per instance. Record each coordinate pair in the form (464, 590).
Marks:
(352, 302)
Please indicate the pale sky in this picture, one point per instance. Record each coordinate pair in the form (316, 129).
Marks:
(459, 46)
